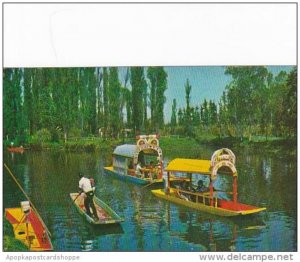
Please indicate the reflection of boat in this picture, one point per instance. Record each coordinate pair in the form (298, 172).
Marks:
(207, 201)
(15, 149)
(126, 158)
(28, 227)
(210, 232)
(105, 213)
(89, 241)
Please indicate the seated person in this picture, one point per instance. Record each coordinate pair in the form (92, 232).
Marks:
(201, 188)
(152, 175)
(186, 187)
(139, 170)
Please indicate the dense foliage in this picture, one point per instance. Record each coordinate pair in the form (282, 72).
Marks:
(254, 103)
(55, 104)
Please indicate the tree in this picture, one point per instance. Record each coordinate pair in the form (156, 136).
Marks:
(244, 95)
(173, 116)
(137, 82)
(99, 92)
(158, 86)
(180, 117)
(204, 114)
(106, 112)
(188, 111)
(114, 101)
(28, 100)
(12, 103)
(212, 113)
(291, 102)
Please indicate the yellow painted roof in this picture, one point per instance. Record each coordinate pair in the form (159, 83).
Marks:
(189, 166)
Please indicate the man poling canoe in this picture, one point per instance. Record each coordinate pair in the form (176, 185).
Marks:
(86, 188)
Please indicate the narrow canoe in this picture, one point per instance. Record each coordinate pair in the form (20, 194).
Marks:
(105, 213)
(221, 208)
(16, 149)
(29, 229)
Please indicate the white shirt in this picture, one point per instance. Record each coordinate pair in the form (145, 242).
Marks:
(85, 184)
(138, 170)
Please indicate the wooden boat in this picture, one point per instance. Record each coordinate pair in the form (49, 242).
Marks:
(15, 149)
(105, 213)
(207, 200)
(126, 157)
(28, 227)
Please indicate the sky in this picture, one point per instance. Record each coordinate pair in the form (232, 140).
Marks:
(208, 82)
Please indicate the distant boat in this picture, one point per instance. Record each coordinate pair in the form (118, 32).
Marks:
(28, 227)
(126, 157)
(16, 149)
(208, 199)
(105, 214)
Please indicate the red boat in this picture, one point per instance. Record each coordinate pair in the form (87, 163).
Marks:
(28, 227)
(16, 149)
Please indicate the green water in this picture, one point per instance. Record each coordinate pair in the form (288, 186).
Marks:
(152, 224)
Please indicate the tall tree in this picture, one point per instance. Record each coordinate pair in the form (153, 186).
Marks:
(158, 85)
(291, 102)
(244, 95)
(173, 116)
(128, 100)
(12, 103)
(99, 86)
(137, 82)
(28, 100)
(114, 101)
(106, 112)
(188, 111)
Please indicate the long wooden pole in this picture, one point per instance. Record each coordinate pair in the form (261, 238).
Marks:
(27, 197)
(73, 202)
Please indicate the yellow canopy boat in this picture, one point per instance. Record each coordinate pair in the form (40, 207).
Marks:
(205, 199)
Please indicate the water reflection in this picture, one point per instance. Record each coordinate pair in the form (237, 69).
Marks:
(152, 224)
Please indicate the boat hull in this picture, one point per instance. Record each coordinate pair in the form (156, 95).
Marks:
(105, 213)
(207, 208)
(30, 231)
(16, 150)
(132, 179)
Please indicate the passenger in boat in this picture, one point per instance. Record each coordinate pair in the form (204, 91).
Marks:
(130, 165)
(86, 188)
(151, 173)
(186, 187)
(139, 170)
(201, 187)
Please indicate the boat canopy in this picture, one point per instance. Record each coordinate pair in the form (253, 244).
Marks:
(189, 166)
(126, 150)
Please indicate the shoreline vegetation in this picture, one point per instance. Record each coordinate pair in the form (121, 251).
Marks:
(173, 144)
(86, 109)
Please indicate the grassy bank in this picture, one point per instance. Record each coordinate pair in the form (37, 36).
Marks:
(174, 145)
(10, 244)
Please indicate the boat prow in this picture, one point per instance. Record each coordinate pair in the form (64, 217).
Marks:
(14, 149)
(105, 214)
(29, 229)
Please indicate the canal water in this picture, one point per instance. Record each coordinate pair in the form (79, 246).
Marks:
(152, 224)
